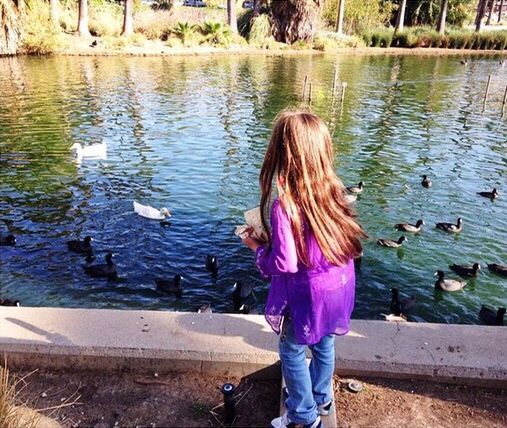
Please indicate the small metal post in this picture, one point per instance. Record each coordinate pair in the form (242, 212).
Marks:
(335, 80)
(487, 90)
(304, 86)
(229, 403)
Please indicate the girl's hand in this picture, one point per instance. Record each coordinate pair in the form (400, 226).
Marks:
(250, 242)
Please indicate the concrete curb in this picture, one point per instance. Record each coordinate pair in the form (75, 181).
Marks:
(240, 345)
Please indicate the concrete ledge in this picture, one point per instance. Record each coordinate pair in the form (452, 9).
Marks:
(242, 344)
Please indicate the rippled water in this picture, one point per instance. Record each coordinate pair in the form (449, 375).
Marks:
(190, 134)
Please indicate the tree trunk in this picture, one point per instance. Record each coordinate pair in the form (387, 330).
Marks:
(481, 9)
(339, 16)
(53, 12)
(491, 7)
(9, 28)
(400, 18)
(231, 15)
(128, 21)
(442, 16)
(295, 20)
(257, 6)
(82, 23)
(500, 10)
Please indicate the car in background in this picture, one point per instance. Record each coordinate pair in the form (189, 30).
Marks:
(248, 4)
(194, 3)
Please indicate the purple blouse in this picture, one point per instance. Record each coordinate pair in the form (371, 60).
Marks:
(320, 299)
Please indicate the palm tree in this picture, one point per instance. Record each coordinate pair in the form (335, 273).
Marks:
(128, 22)
(295, 20)
(491, 7)
(82, 23)
(400, 18)
(231, 15)
(339, 16)
(500, 11)
(9, 27)
(481, 10)
(53, 12)
(442, 16)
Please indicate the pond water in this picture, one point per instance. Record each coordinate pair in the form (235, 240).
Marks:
(189, 133)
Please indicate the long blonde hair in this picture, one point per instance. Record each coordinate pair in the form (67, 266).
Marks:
(300, 156)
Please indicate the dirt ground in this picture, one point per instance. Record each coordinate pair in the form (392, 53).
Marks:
(185, 400)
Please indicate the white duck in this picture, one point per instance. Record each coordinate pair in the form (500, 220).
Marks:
(95, 151)
(150, 212)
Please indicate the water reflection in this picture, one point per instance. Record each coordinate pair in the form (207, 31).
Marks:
(190, 133)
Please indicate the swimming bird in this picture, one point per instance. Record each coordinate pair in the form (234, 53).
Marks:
(356, 189)
(448, 284)
(205, 309)
(502, 62)
(451, 227)
(150, 212)
(426, 182)
(240, 292)
(399, 306)
(9, 240)
(498, 269)
(466, 270)
(490, 317)
(390, 243)
(79, 246)
(464, 62)
(94, 151)
(93, 44)
(394, 318)
(212, 264)
(170, 286)
(406, 227)
(491, 195)
(8, 302)
(105, 270)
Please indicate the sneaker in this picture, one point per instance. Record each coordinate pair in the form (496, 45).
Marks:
(284, 422)
(322, 409)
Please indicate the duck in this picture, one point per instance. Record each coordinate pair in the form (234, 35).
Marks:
(394, 318)
(356, 189)
(212, 264)
(451, 227)
(151, 213)
(94, 151)
(106, 270)
(9, 240)
(464, 62)
(94, 44)
(399, 306)
(406, 227)
(426, 182)
(392, 244)
(205, 309)
(448, 284)
(490, 317)
(240, 292)
(79, 246)
(466, 270)
(8, 302)
(170, 286)
(491, 195)
(90, 258)
(498, 269)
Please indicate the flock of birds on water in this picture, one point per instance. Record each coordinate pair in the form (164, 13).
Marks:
(242, 296)
(399, 306)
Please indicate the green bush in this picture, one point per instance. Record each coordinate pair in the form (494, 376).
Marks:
(216, 33)
(328, 40)
(155, 25)
(184, 31)
(381, 38)
(260, 31)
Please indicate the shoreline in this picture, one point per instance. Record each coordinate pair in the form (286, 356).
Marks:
(158, 49)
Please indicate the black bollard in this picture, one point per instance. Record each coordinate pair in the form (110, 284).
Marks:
(229, 403)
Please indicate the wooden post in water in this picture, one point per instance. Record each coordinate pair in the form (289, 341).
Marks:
(487, 90)
(304, 86)
(335, 80)
(344, 85)
(310, 93)
(504, 102)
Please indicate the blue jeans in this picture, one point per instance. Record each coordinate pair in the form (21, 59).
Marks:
(307, 386)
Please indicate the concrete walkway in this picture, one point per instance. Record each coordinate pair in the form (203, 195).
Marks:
(243, 344)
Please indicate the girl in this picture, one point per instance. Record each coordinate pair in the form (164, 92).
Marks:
(309, 257)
